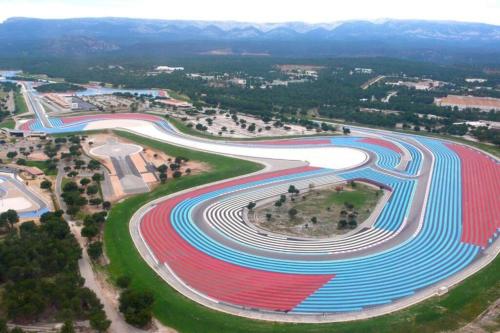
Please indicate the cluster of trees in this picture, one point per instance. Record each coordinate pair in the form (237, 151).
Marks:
(484, 133)
(8, 219)
(39, 275)
(136, 305)
(175, 166)
(59, 87)
(73, 194)
(348, 216)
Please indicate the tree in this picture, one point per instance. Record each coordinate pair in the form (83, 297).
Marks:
(72, 174)
(136, 307)
(162, 168)
(123, 281)
(293, 212)
(94, 165)
(90, 231)
(21, 161)
(106, 205)
(68, 327)
(95, 250)
(291, 189)
(85, 181)
(10, 216)
(92, 190)
(70, 187)
(177, 174)
(341, 224)
(99, 322)
(46, 185)
(314, 219)
(11, 154)
(95, 201)
(278, 203)
(97, 177)
(163, 177)
(251, 205)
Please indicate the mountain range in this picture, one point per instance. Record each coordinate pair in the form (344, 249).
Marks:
(436, 40)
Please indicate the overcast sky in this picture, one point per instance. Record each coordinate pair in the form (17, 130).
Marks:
(311, 11)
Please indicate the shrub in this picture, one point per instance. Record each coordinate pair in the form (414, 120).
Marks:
(123, 281)
(95, 250)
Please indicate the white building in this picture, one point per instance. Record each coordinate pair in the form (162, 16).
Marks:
(168, 69)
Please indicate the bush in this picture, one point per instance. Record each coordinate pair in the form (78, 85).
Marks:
(95, 250)
(21, 161)
(90, 231)
(11, 154)
(85, 181)
(106, 205)
(70, 186)
(46, 184)
(95, 201)
(136, 306)
(93, 189)
(123, 281)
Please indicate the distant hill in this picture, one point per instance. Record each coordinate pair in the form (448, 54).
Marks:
(440, 41)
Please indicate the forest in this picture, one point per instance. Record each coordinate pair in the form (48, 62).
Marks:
(39, 275)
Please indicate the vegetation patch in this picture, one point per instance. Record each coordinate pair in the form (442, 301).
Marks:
(59, 87)
(318, 212)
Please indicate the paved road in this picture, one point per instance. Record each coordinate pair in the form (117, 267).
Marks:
(34, 104)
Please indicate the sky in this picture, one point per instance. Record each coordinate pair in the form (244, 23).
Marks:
(309, 11)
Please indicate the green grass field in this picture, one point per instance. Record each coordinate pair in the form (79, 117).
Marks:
(21, 106)
(8, 123)
(42, 165)
(358, 196)
(451, 311)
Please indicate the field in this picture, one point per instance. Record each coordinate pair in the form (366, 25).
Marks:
(325, 204)
(8, 123)
(21, 106)
(451, 311)
(42, 165)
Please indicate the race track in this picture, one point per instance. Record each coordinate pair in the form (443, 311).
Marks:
(439, 224)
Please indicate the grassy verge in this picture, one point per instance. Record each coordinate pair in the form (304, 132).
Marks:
(8, 123)
(176, 95)
(21, 106)
(453, 310)
(42, 165)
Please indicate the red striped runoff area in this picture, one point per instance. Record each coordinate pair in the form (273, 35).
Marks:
(383, 143)
(480, 195)
(222, 280)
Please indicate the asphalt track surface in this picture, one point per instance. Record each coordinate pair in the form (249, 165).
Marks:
(437, 162)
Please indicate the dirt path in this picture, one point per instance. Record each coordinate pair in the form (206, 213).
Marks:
(92, 282)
